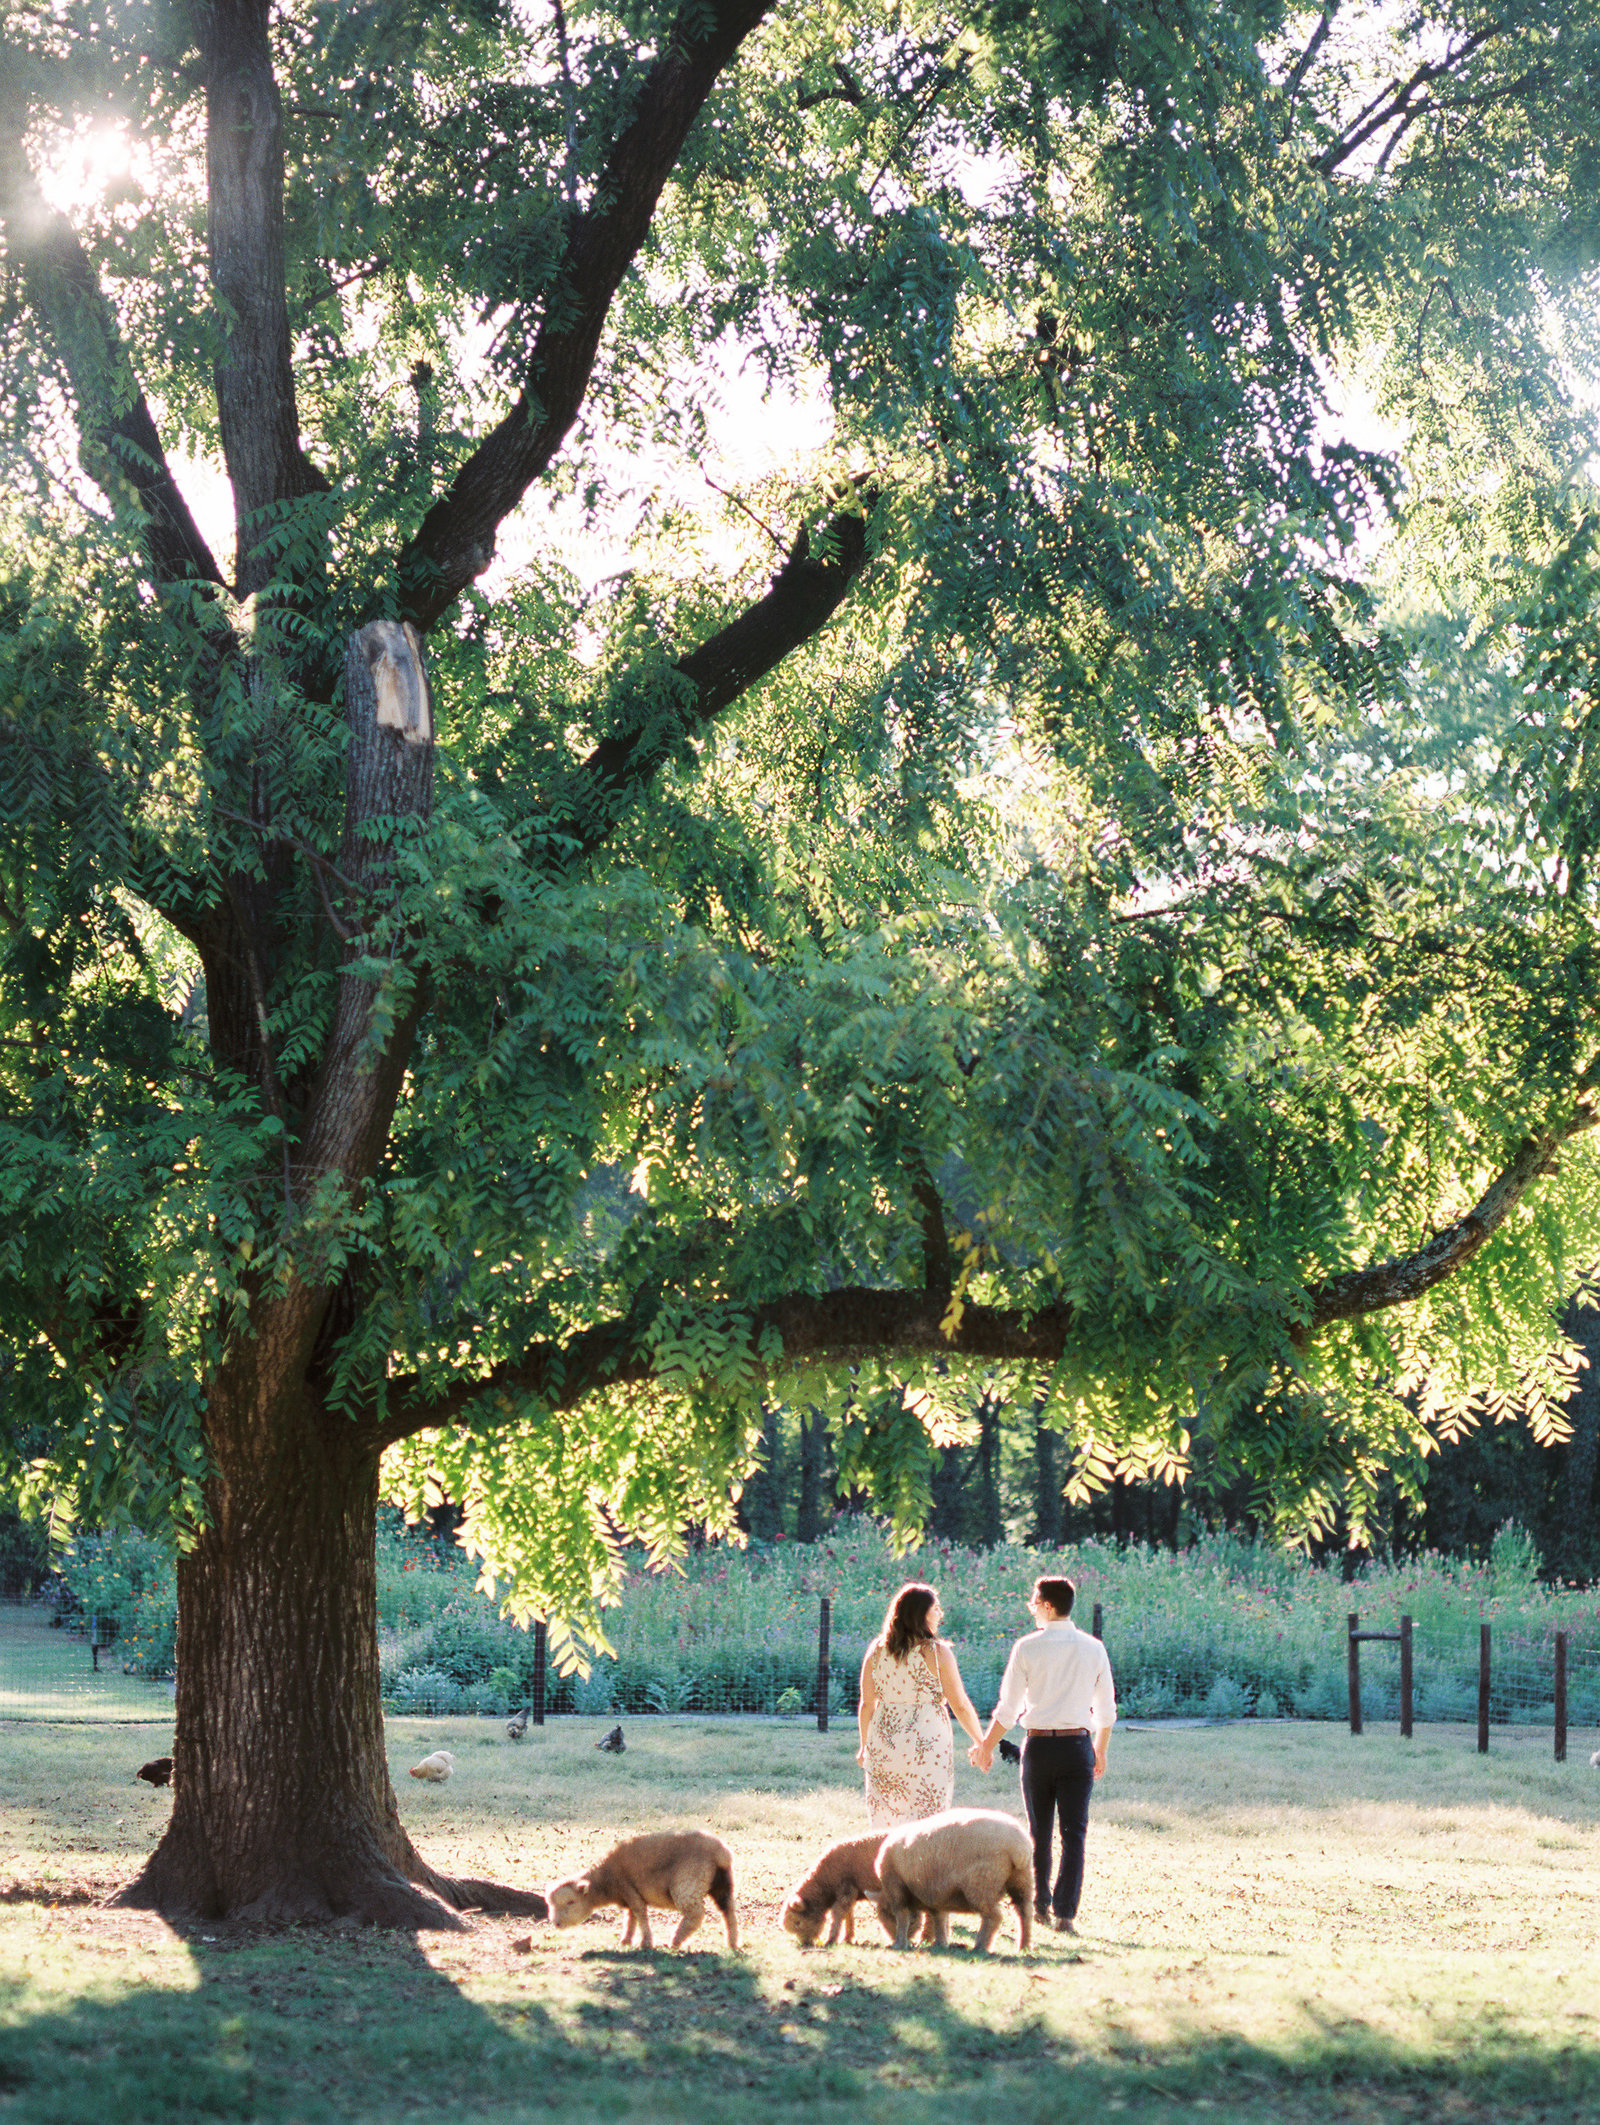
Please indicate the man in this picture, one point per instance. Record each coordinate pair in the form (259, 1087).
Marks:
(1058, 1682)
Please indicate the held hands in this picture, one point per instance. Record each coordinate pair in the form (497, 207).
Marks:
(980, 1757)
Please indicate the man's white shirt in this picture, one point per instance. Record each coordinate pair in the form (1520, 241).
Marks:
(1057, 1677)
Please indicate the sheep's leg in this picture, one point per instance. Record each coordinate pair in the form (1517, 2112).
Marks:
(627, 1929)
(693, 1917)
(639, 1913)
(849, 1923)
(937, 1929)
(987, 1930)
(902, 1926)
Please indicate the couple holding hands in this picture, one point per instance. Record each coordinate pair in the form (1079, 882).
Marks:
(1057, 1682)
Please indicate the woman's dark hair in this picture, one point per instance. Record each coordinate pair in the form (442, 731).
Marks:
(906, 1624)
(1060, 1594)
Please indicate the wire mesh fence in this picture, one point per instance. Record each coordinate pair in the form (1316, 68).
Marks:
(59, 1667)
(68, 1666)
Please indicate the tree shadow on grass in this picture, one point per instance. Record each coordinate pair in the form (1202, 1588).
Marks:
(299, 2026)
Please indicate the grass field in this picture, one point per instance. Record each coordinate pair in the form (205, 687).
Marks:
(1280, 1922)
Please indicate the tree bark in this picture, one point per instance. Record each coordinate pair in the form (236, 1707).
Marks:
(991, 1525)
(813, 1439)
(282, 1803)
(1574, 1500)
(1047, 1517)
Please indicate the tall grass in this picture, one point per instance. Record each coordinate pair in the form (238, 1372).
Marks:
(1226, 1629)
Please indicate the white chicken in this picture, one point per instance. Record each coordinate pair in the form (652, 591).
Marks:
(436, 1768)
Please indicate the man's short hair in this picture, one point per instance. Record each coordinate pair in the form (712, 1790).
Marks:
(1060, 1593)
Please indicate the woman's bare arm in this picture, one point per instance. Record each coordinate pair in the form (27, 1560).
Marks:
(867, 1700)
(955, 1690)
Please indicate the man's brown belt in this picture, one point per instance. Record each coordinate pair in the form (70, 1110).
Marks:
(1053, 1733)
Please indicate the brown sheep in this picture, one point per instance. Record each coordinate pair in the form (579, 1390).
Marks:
(967, 1859)
(844, 1874)
(672, 1870)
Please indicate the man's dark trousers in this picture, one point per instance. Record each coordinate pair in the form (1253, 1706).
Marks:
(1057, 1780)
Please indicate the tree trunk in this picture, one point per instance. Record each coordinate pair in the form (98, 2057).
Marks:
(991, 1525)
(1574, 1501)
(1047, 1517)
(282, 1803)
(813, 1437)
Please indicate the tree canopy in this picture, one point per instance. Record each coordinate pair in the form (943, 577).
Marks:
(1079, 883)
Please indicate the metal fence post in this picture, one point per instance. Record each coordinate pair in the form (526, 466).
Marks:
(1405, 1678)
(539, 1642)
(1355, 1673)
(822, 1665)
(1483, 1689)
(1561, 1696)
(1097, 1622)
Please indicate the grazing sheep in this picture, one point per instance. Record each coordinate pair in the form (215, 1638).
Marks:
(967, 1859)
(672, 1870)
(844, 1874)
(157, 1772)
(435, 1768)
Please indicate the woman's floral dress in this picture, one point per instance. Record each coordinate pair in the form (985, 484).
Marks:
(911, 1758)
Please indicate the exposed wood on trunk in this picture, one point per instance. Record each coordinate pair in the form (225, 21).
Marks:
(456, 540)
(388, 778)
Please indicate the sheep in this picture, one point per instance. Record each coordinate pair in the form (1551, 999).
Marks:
(672, 1870)
(844, 1874)
(967, 1859)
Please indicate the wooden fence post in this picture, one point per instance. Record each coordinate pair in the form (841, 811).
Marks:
(1355, 1674)
(1561, 1696)
(1483, 1689)
(1097, 1626)
(823, 1621)
(539, 1643)
(1405, 1678)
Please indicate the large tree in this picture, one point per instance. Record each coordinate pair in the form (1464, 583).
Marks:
(1049, 916)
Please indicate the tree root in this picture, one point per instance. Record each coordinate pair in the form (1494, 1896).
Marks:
(409, 1897)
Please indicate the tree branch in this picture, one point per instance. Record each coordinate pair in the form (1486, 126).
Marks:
(859, 1323)
(806, 592)
(844, 1326)
(1407, 1276)
(455, 541)
(118, 443)
(244, 223)
(1395, 101)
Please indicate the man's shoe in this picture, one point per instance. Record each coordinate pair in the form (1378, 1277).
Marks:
(1065, 1925)
(1044, 1914)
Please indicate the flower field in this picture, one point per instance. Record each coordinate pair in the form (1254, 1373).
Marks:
(1226, 1629)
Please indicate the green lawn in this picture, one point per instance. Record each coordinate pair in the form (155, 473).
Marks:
(1281, 1922)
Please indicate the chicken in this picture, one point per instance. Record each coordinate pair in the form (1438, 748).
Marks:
(157, 1772)
(517, 1727)
(435, 1768)
(1009, 1752)
(613, 1742)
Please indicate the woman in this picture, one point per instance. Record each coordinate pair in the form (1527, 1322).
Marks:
(908, 1677)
